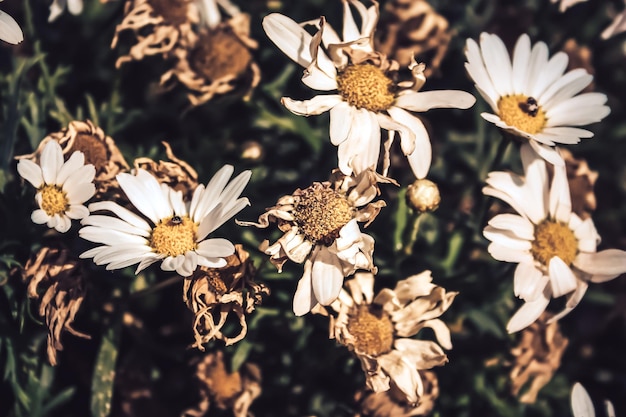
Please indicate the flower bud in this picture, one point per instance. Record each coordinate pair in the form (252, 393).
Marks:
(423, 195)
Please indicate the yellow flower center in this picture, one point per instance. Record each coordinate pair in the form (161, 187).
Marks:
(321, 213)
(554, 239)
(522, 112)
(95, 150)
(174, 236)
(173, 11)
(372, 331)
(53, 200)
(366, 87)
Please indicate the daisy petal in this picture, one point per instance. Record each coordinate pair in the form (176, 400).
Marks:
(316, 105)
(528, 314)
(610, 262)
(562, 279)
(327, 277)
(290, 38)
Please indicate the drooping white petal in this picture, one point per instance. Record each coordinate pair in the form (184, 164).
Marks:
(562, 279)
(426, 100)
(528, 313)
(560, 200)
(548, 153)
(340, 123)
(581, 402)
(316, 105)
(529, 282)
(303, 299)
(327, 277)
(215, 248)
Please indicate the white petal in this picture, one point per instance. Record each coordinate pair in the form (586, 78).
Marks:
(316, 105)
(521, 56)
(476, 69)
(81, 193)
(290, 37)
(424, 101)
(75, 6)
(51, 161)
(76, 161)
(581, 402)
(77, 212)
(145, 194)
(327, 277)
(303, 300)
(529, 282)
(421, 157)
(504, 254)
(505, 238)
(606, 262)
(10, 31)
(562, 279)
(572, 301)
(497, 62)
(317, 79)
(547, 152)
(39, 217)
(215, 248)
(519, 225)
(351, 31)
(368, 130)
(205, 199)
(122, 212)
(172, 263)
(563, 88)
(536, 183)
(340, 123)
(31, 172)
(189, 264)
(63, 224)
(527, 314)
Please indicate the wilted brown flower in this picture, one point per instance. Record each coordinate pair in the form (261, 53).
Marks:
(413, 28)
(581, 181)
(392, 402)
(378, 329)
(176, 173)
(62, 299)
(99, 150)
(235, 391)
(537, 357)
(158, 25)
(214, 293)
(218, 62)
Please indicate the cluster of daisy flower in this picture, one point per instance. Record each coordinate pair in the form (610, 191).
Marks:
(158, 213)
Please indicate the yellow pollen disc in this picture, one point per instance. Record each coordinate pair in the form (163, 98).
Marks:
(174, 236)
(94, 149)
(554, 239)
(321, 213)
(372, 331)
(366, 87)
(522, 112)
(53, 200)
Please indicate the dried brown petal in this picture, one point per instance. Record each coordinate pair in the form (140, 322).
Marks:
(158, 26)
(212, 294)
(178, 174)
(537, 357)
(61, 301)
(99, 150)
(413, 28)
(235, 391)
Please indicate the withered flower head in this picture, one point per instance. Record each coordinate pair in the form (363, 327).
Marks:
(393, 403)
(321, 228)
(176, 173)
(214, 293)
(158, 25)
(219, 61)
(99, 150)
(235, 391)
(378, 329)
(413, 28)
(537, 357)
(61, 301)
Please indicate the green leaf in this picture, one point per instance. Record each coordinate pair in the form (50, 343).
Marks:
(104, 373)
(485, 323)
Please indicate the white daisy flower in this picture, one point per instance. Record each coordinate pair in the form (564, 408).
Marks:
(62, 187)
(57, 7)
(367, 97)
(555, 250)
(174, 232)
(531, 96)
(10, 30)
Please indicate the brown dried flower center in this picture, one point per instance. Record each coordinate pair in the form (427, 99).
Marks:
(372, 331)
(53, 200)
(522, 112)
(174, 236)
(366, 86)
(223, 385)
(219, 54)
(173, 11)
(321, 213)
(554, 239)
(216, 282)
(94, 149)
